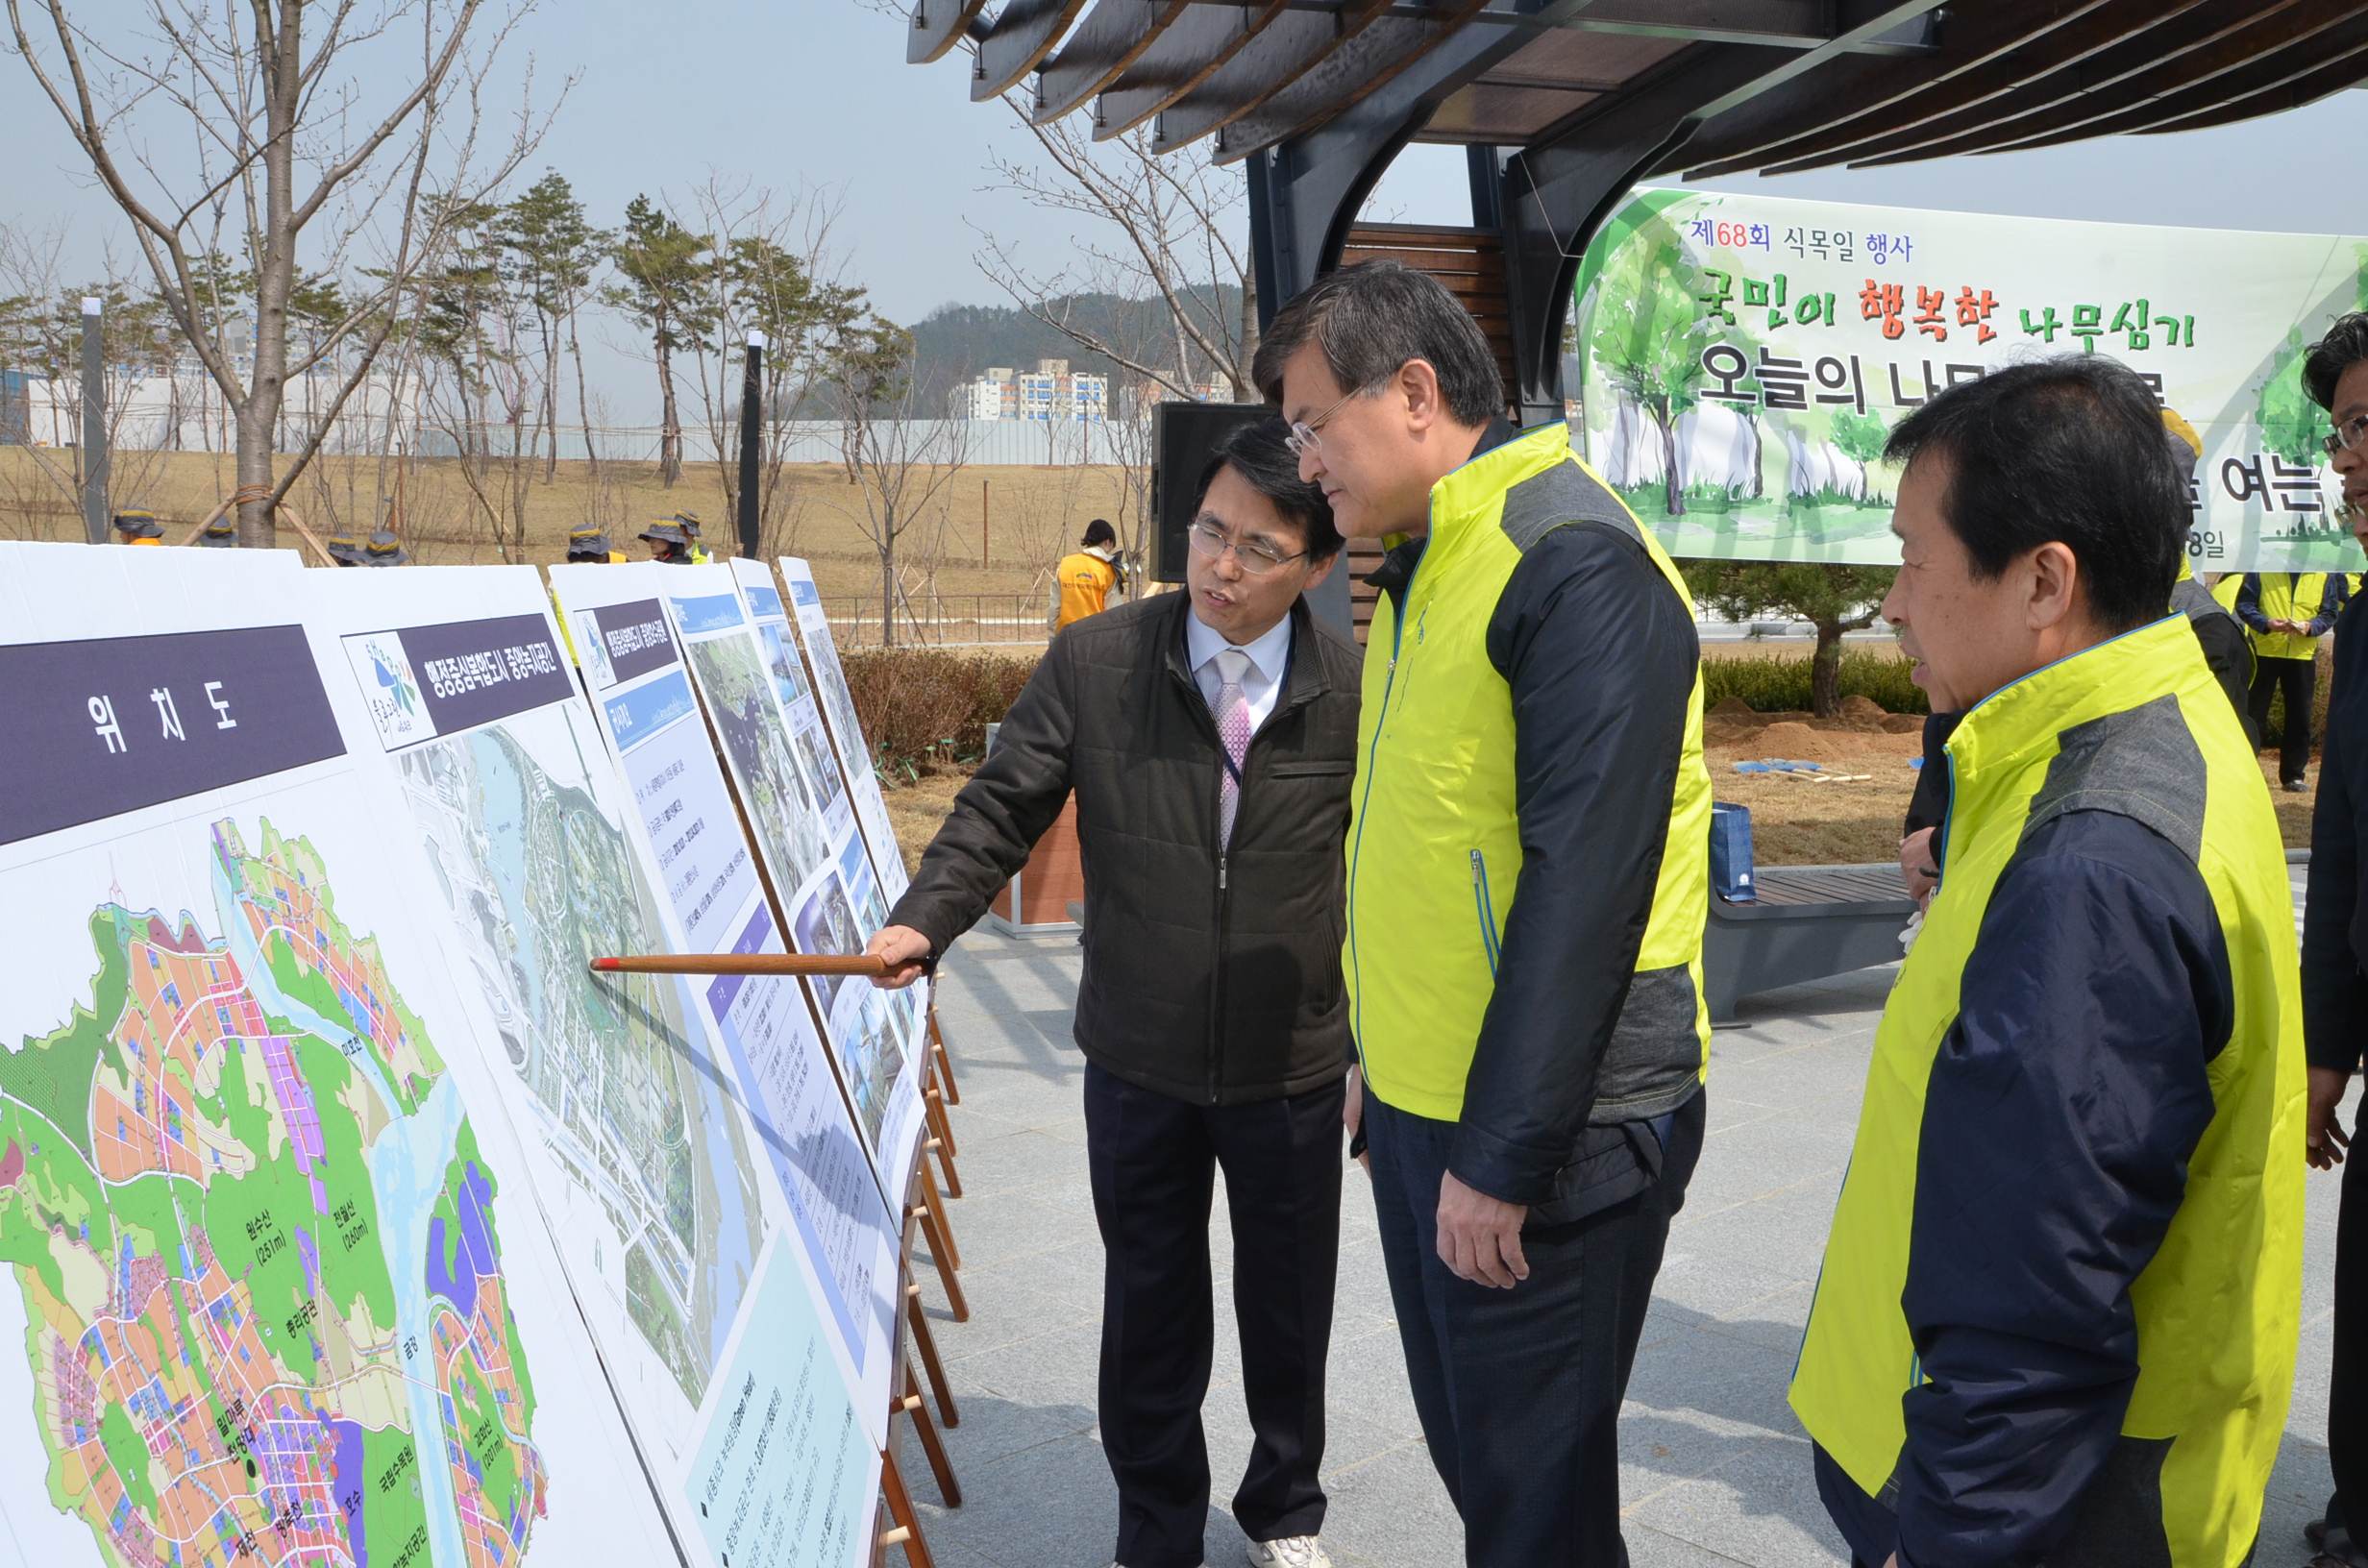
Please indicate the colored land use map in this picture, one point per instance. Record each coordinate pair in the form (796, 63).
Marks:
(539, 880)
(204, 1177)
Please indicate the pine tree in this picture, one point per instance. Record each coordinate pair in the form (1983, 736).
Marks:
(667, 271)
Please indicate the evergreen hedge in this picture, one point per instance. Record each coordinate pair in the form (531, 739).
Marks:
(1777, 683)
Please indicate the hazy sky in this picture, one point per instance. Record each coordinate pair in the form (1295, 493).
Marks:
(817, 91)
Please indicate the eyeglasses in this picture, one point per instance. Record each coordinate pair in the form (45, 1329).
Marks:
(1253, 557)
(1303, 438)
(2347, 435)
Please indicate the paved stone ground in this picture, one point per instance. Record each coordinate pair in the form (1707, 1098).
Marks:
(1715, 1468)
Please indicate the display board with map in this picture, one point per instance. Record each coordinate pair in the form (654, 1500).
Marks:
(277, 1289)
(651, 1173)
(686, 826)
(880, 1037)
(838, 704)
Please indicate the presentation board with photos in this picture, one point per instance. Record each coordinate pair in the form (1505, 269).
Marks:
(650, 1170)
(838, 706)
(279, 1288)
(814, 858)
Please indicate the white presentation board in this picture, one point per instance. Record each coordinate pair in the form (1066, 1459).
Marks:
(277, 1287)
(770, 732)
(685, 826)
(838, 706)
(742, 1387)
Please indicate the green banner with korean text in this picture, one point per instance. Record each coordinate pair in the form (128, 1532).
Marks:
(1743, 357)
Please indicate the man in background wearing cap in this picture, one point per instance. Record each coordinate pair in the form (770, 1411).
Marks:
(137, 528)
(589, 545)
(688, 522)
(222, 534)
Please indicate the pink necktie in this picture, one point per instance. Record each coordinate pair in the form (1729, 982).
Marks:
(1232, 710)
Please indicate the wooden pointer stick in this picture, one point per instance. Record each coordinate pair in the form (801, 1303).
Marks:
(742, 964)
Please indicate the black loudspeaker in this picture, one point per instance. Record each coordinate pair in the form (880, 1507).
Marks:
(1183, 434)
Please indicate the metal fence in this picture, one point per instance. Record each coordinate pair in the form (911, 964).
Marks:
(1016, 621)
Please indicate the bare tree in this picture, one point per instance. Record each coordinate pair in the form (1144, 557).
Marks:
(901, 464)
(1160, 232)
(301, 151)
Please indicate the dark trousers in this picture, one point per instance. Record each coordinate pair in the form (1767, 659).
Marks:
(1153, 1162)
(1519, 1390)
(2299, 679)
(2347, 1391)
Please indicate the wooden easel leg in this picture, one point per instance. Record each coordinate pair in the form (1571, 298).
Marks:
(925, 1342)
(952, 1257)
(911, 1404)
(945, 1160)
(946, 1276)
(940, 1123)
(945, 1061)
(908, 1530)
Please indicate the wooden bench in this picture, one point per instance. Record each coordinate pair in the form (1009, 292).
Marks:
(1810, 921)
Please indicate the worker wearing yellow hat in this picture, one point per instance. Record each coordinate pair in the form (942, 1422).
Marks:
(589, 544)
(668, 543)
(139, 528)
(688, 522)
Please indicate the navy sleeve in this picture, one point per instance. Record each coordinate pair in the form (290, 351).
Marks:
(2249, 604)
(2061, 1114)
(2331, 603)
(1600, 654)
(2335, 991)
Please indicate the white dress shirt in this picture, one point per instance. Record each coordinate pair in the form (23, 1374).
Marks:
(1261, 684)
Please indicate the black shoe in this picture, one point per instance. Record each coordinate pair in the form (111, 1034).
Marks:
(2295, 786)
(2335, 1547)
(2314, 1535)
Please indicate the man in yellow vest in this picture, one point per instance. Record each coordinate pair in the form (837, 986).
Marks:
(1085, 578)
(1528, 879)
(2059, 1308)
(2287, 613)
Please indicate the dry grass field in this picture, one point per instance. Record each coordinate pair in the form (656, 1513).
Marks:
(446, 515)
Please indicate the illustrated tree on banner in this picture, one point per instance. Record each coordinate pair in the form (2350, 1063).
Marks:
(1860, 437)
(1649, 339)
(2293, 429)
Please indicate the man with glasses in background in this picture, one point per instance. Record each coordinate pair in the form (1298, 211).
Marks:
(1210, 738)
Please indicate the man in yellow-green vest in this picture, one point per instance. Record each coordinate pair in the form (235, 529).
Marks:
(2287, 613)
(1527, 882)
(2057, 1319)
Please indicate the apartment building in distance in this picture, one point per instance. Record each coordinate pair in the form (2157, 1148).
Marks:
(1051, 391)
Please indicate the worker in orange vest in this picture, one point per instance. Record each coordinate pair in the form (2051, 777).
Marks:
(1083, 581)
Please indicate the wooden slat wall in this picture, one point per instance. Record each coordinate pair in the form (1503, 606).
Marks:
(1471, 263)
(1364, 555)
